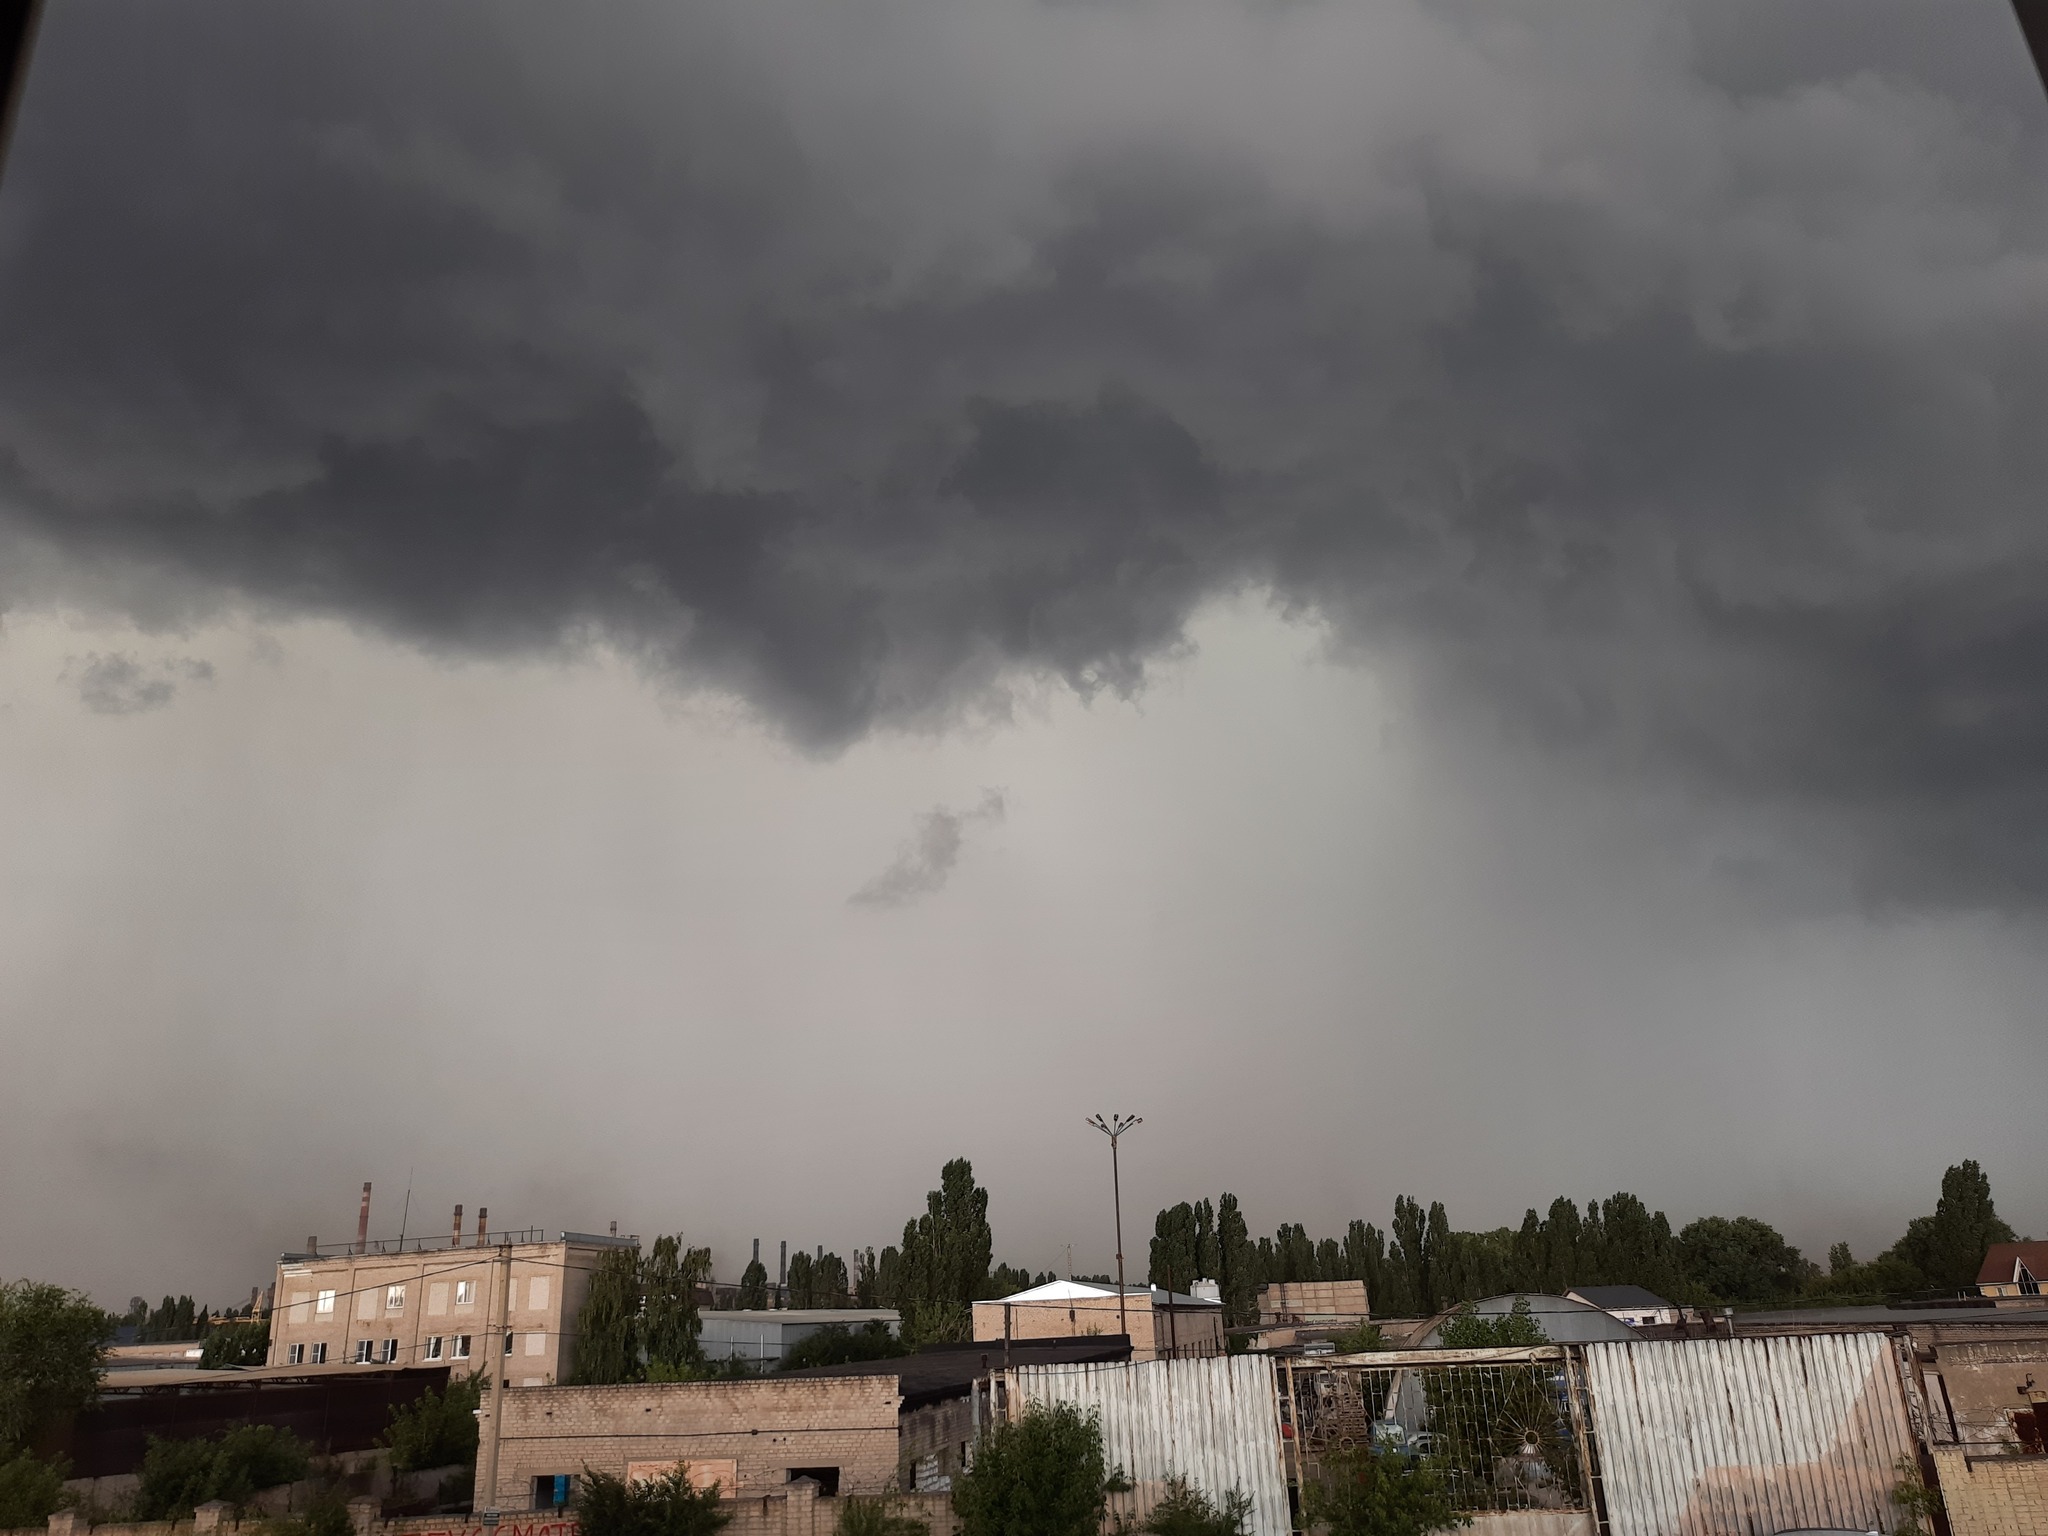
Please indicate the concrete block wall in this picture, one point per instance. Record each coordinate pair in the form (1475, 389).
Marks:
(762, 1430)
(1992, 1495)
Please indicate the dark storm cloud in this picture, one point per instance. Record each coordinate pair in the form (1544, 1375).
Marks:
(1664, 382)
(925, 862)
(115, 683)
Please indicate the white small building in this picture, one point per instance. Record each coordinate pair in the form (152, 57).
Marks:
(1630, 1304)
(766, 1338)
(1161, 1323)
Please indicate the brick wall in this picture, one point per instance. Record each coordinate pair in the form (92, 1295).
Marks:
(1993, 1495)
(782, 1514)
(766, 1429)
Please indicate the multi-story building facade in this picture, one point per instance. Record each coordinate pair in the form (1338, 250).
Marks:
(436, 1303)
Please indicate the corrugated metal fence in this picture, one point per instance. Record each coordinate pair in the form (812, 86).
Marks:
(1209, 1421)
(1746, 1437)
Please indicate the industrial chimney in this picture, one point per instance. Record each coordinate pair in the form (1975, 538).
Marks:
(455, 1239)
(363, 1222)
(483, 1224)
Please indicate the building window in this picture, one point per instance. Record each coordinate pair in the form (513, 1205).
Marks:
(389, 1354)
(2029, 1286)
(508, 1343)
(434, 1347)
(552, 1490)
(394, 1298)
(320, 1353)
(459, 1346)
(295, 1354)
(325, 1305)
(363, 1349)
(465, 1293)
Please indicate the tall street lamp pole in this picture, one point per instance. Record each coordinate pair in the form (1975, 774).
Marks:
(1113, 1128)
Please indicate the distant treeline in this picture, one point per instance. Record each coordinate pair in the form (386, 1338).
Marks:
(1421, 1265)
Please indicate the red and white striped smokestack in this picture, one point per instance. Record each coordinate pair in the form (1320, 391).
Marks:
(363, 1222)
(483, 1221)
(456, 1240)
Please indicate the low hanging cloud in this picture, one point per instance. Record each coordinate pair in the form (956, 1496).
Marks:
(1659, 381)
(116, 683)
(924, 863)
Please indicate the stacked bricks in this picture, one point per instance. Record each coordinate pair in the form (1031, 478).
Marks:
(1993, 1495)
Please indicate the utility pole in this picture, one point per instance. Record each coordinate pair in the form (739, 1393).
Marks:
(494, 1358)
(1113, 1128)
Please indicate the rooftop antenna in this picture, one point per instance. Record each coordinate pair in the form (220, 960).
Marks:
(405, 1213)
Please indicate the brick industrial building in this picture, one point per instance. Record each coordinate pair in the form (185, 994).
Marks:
(431, 1302)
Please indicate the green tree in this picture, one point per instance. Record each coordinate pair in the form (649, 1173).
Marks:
(1041, 1474)
(656, 1506)
(1236, 1267)
(1739, 1259)
(1365, 1258)
(1948, 1247)
(1189, 1511)
(945, 1260)
(1208, 1252)
(753, 1295)
(31, 1489)
(52, 1345)
(435, 1429)
(1369, 1493)
(801, 1290)
(889, 1278)
(1175, 1245)
(829, 1280)
(669, 1325)
(236, 1344)
(608, 1338)
(865, 1278)
(236, 1465)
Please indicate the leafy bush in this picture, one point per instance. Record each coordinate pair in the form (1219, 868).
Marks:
(877, 1517)
(234, 1344)
(657, 1506)
(1040, 1475)
(1359, 1340)
(1380, 1493)
(180, 1475)
(31, 1490)
(436, 1429)
(326, 1515)
(1188, 1511)
(836, 1344)
(1518, 1329)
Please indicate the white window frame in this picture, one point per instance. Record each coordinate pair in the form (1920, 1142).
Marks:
(458, 1346)
(434, 1347)
(365, 1351)
(394, 1298)
(465, 1293)
(325, 1305)
(388, 1355)
(508, 1342)
(295, 1354)
(320, 1352)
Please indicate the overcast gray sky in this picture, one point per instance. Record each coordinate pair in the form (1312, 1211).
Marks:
(677, 612)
